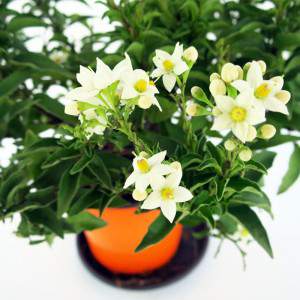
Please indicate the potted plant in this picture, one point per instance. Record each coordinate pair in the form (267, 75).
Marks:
(150, 149)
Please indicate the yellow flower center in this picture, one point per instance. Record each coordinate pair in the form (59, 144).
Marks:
(143, 165)
(167, 194)
(151, 82)
(168, 65)
(141, 86)
(262, 91)
(238, 114)
(244, 233)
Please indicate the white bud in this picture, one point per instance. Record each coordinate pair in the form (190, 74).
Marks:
(240, 71)
(190, 54)
(139, 195)
(192, 108)
(145, 102)
(245, 154)
(72, 109)
(267, 131)
(59, 57)
(217, 87)
(214, 76)
(246, 67)
(283, 96)
(251, 135)
(230, 145)
(263, 66)
(143, 154)
(229, 72)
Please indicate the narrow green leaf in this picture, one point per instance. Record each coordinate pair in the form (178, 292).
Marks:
(9, 84)
(81, 164)
(293, 171)
(68, 187)
(20, 22)
(160, 228)
(250, 220)
(85, 221)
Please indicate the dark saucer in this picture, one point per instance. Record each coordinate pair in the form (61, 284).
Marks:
(190, 252)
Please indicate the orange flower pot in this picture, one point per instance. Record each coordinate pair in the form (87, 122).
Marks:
(113, 245)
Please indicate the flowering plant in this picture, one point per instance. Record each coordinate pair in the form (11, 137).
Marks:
(185, 134)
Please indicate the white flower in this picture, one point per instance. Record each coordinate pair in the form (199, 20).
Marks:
(93, 82)
(264, 91)
(147, 171)
(192, 108)
(169, 66)
(59, 57)
(137, 84)
(166, 193)
(238, 115)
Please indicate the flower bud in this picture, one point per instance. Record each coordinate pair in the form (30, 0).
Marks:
(229, 72)
(251, 134)
(59, 57)
(245, 154)
(72, 109)
(217, 87)
(139, 195)
(145, 102)
(263, 66)
(230, 145)
(267, 131)
(214, 76)
(190, 54)
(246, 67)
(241, 72)
(192, 109)
(143, 154)
(283, 96)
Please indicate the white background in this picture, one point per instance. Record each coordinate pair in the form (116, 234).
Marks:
(41, 272)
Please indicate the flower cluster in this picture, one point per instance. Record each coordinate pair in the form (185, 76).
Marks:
(163, 180)
(242, 99)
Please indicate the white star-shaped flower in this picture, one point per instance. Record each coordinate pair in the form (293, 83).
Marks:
(169, 66)
(147, 171)
(137, 84)
(267, 93)
(238, 115)
(166, 193)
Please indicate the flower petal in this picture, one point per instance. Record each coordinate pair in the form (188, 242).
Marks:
(222, 122)
(157, 158)
(240, 130)
(256, 115)
(152, 201)
(81, 94)
(142, 182)
(241, 85)
(128, 92)
(130, 180)
(168, 209)
(182, 194)
(224, 103)
(85, 77)
(157, 73)
(254, 75)
(180, 67)
(173, 180)
(162, 169)
(169, 81)
(273, 104)
(157, 182)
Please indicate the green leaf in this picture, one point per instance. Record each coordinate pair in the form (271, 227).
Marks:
(47, 218)
(293, 171)
(9, 84)
(68, 187)
(200, 95)
(159, 229)
(85, 221)
(81, 164)
(98, 168)
(287, 40)
(168, 109)
(20, 22)
(275, 141)
(248, 218)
